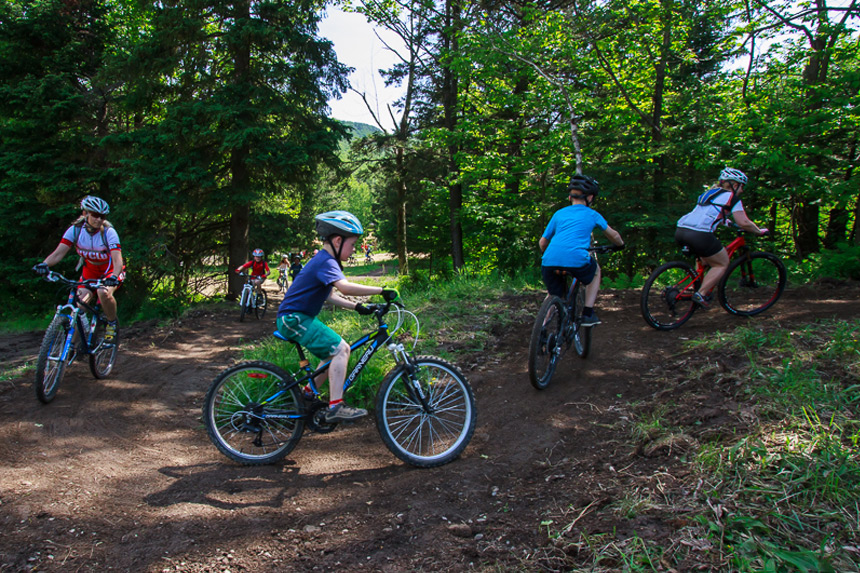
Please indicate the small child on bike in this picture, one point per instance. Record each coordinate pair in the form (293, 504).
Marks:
(259, 269)
(283, 269)
(297, 314)
(696, 229)
(565, 244)
(296, 267)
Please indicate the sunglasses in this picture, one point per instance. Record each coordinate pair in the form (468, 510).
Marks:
(97, 215)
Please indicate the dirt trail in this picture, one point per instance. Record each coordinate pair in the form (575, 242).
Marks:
(119, 474)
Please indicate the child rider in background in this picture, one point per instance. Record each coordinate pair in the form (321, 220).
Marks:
(565, 244)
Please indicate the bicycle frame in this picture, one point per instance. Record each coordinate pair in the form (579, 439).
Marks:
(686, 289)
(375, 340)
(78, 310)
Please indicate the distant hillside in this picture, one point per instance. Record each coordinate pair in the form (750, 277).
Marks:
(360, 130)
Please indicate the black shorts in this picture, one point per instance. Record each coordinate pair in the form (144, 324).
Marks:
(556, 283)
(701, 243)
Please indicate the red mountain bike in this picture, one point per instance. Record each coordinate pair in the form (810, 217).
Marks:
(752, 284)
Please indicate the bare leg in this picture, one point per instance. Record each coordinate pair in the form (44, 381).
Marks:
(591, 290)
(718, 263)
(337, 371)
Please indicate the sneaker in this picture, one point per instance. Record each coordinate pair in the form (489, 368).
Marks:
(703, 302)
(592, 320)
(110, 334)
(343, 413)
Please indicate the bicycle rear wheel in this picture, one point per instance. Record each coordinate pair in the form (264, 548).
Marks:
(752, 284)
(667, 301)
(431, 432)
(245, 421)
(580, 336)
(50, 367)
(261, 304)
(102, 360)
(545, 345)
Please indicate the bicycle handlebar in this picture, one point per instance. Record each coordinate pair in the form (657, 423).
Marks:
(54, 277)
(604, 249)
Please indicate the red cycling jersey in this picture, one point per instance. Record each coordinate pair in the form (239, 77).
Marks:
(260, 269)
(95, 250)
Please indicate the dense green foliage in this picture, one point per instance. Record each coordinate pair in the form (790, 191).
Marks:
(204, 124)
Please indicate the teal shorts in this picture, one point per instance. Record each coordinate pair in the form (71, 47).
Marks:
(310, 332)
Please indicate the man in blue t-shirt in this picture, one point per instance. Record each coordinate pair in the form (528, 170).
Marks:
(565, 244)
(311, 288)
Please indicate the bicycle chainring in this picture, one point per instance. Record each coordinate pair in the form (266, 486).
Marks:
(315, 417)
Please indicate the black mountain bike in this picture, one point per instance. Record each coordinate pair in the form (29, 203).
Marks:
(77, 329)
(558, 325)
(255, 412)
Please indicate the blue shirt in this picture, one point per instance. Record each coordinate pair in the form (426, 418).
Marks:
(569, 233)
(312, 286)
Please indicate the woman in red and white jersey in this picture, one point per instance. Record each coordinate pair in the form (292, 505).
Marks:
(97, 242)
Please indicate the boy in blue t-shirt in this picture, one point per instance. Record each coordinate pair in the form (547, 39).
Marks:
(311, 288)
(565, 244)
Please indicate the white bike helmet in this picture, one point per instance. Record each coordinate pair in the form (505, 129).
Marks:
(95, 205)
(729, 174)
(338, 223)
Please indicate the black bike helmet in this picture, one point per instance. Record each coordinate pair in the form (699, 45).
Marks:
(587, 186)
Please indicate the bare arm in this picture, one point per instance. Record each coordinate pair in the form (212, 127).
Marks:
(745, 223)
(613, 236)
(116, 259)
(351, 289)
(543, 244)
(57, 255)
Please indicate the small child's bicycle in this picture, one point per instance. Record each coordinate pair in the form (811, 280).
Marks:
(251, 300)
(753, 283)
(77, 328)
(255, 412)
(558, 324)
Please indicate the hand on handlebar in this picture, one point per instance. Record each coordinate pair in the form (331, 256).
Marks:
(110, 281)
(364, 310)
(390, 295)
(42, 269)
(764, 232)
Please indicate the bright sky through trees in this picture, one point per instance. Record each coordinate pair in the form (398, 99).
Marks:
(358, 47)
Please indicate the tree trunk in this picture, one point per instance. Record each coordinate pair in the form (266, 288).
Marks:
(449, 104)
(240, 181)
(402, 251)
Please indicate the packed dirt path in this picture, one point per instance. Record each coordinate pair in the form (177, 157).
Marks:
(119, 474)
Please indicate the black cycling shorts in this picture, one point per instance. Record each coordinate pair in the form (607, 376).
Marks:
(556, 283)
(701, 243)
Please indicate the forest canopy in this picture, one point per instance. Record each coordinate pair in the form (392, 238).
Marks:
(205, 125)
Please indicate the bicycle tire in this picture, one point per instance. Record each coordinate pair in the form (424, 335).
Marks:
(752, 284)
(103, 359)
(243, 305)
(241, 427)
(261, 304)
(418, 437)
(666, 300)
(49, 368)
(581, 335)
(545, 344)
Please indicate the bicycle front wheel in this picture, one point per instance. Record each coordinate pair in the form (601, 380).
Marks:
(261, 304)
(433, 429)
(581, 336)
(250, 418)
(50, 367)
(752, 284)
(545, 345)
(667, 297)
(102, 359)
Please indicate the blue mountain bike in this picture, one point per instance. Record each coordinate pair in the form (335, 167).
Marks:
(77, 329)
(255, 412)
